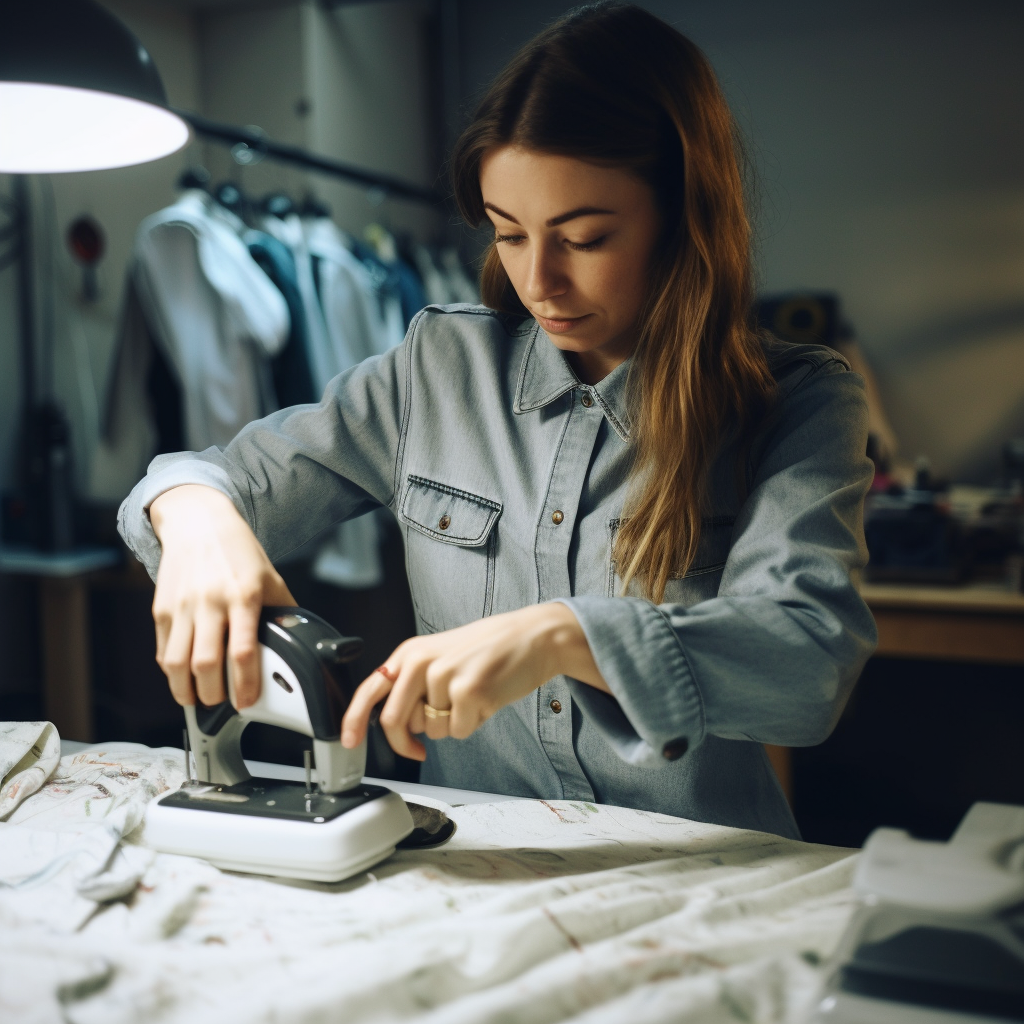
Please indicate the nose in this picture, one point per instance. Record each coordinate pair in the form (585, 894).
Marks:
(545, 278)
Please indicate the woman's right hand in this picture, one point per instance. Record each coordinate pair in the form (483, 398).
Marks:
(213, 581)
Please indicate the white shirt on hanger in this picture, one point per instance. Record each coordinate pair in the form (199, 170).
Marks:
(217, 319)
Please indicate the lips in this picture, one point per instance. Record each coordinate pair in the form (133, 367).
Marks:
(560, 325)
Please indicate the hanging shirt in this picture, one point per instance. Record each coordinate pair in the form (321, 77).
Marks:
(350, 557)
(291, 368)
(435, 284)
(479, 424)
(348, 296)
(195, 293)
(321, 353)
(459, 284)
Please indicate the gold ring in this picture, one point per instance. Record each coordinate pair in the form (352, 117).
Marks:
(432, 712)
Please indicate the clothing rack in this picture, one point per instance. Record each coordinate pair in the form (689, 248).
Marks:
(256, 141)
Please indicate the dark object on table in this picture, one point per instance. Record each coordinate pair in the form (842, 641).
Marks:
(941, 967)
(49, 486)
(803, 318)
(912, 537)
(433, 828)
(1013, 463)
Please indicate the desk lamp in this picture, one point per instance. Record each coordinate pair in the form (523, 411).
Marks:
(78, 92)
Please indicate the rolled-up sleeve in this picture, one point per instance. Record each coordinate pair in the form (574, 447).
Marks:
(774, 656)
(296, 472)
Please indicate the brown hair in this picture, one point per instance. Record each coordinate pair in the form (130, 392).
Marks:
(610, 83)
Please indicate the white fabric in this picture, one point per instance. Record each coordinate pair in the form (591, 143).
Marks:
(216, 312)
(216, 317)
(29, 753)
(60, 852)
(535, 912)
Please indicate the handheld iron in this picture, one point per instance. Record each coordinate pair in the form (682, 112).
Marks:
(325, 831)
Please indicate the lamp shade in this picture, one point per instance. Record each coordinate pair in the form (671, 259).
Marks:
(78, 92)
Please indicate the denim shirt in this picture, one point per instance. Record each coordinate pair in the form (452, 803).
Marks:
(508, 477)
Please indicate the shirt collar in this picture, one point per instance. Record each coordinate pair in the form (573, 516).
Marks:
(546, 375)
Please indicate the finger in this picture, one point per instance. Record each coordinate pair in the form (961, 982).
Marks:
(468, 709)
(418, 719)
(162, 619)
(370, 691)
(276, 592)
(208, 653)
(177, 657)
(395, 717)
(244, 652)
(439, 700)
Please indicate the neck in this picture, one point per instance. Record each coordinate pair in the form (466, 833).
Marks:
(592, 367)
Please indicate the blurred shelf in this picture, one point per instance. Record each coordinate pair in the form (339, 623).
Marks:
(29, 562)
(979, 622)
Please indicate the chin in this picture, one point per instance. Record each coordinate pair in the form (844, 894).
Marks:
(567, 343)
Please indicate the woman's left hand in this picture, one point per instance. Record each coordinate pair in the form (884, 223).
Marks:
(472, 672)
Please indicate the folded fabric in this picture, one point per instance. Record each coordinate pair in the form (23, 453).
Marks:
(61, 852)
(29, 753)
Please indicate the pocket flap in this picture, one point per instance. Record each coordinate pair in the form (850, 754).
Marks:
(446, 513)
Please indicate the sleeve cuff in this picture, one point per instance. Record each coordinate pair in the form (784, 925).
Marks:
(165, 472)
(660, 711)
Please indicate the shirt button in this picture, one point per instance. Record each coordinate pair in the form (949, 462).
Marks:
(444, 522)
(557, 516)
(556, 706)
(587, 400)
(674, 749)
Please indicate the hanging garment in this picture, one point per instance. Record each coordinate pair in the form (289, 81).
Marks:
(323, 365)
(435, 283)
(380, 247)
(348, 296)
(360, 324)
(196, 296)
(351, 556)
(291, 368)
(463, 289)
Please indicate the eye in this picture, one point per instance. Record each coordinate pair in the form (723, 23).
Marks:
(510, 239)
(586, 246)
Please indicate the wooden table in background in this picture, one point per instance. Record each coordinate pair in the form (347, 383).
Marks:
(977, 622)
(62, 579)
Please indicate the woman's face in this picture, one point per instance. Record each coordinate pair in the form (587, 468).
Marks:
(577, 242)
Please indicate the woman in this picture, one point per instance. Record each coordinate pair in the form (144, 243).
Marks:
(629, 521)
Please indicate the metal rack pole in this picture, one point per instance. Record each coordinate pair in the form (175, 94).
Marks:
(233, 134)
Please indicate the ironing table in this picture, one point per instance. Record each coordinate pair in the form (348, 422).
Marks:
(534, 911)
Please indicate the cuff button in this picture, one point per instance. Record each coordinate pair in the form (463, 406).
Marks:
(674, 749)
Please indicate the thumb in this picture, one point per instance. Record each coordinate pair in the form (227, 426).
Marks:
(276, 592)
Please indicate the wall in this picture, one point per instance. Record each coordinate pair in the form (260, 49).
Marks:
(888, 140)
(352, 84)
(118, 200)
(370, 72)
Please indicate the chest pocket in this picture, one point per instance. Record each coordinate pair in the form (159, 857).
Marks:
(449, 552)
(701, 581)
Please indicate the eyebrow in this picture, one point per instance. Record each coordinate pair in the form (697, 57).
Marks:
(562, 218)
